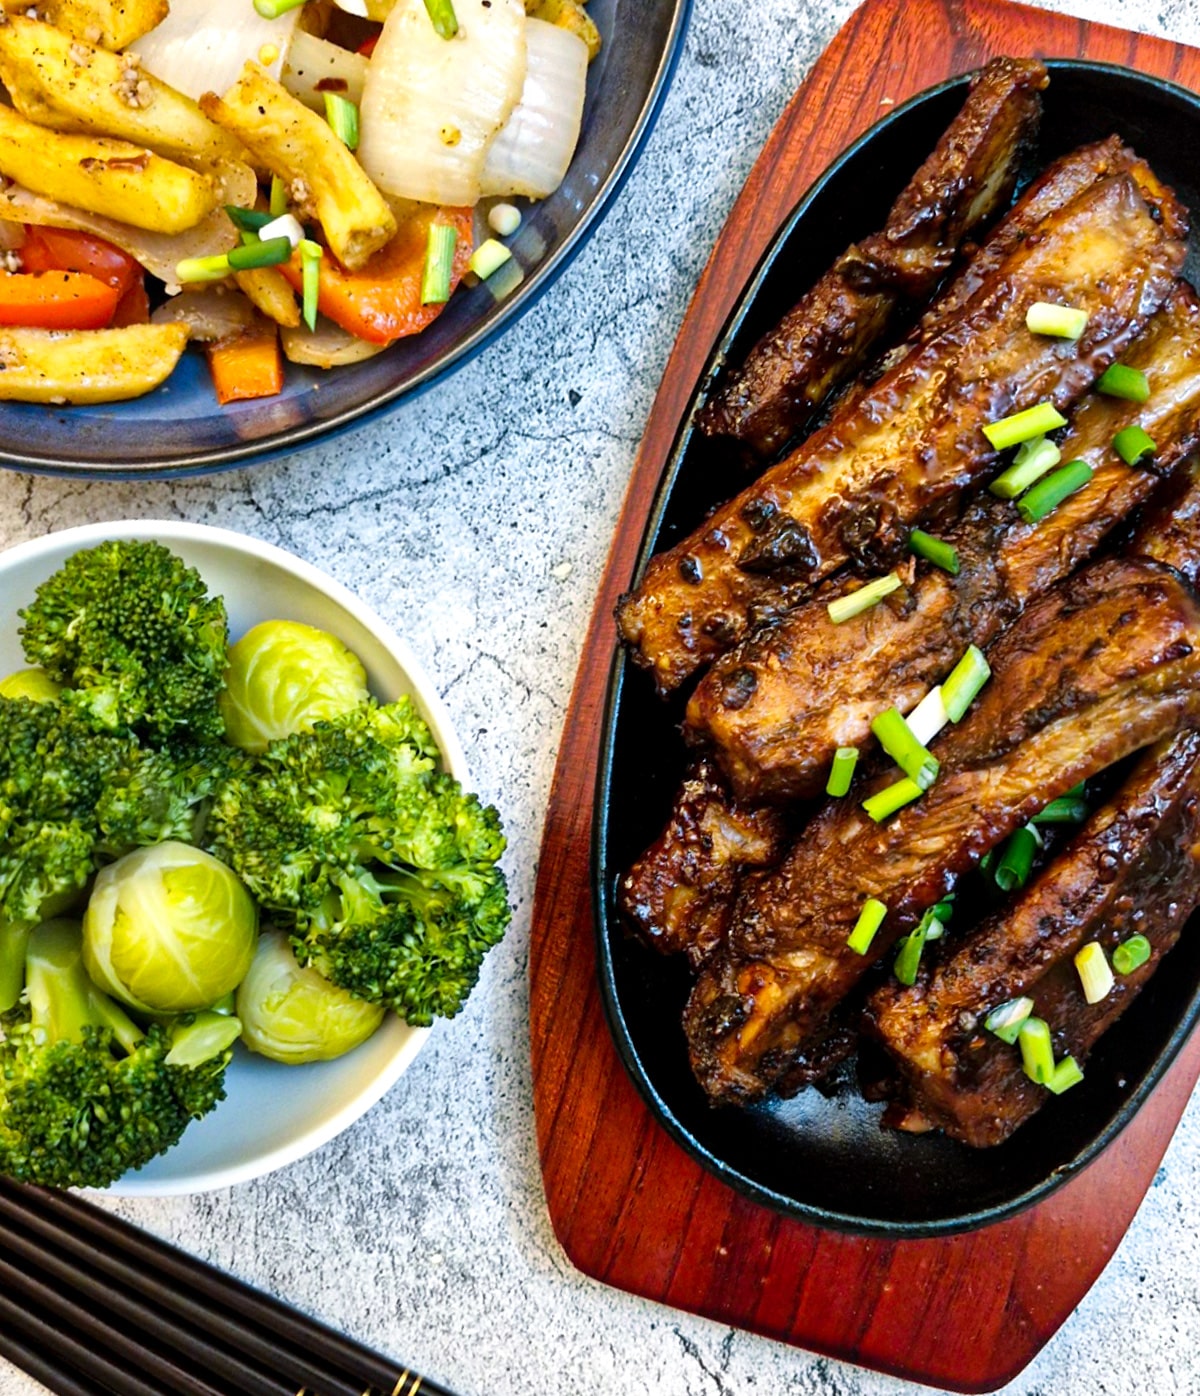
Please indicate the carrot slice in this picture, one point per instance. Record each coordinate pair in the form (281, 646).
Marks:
(64, 249)
(246, 365)
(56, 300)
(382, 302)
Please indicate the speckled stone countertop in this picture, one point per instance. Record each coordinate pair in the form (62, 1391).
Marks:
(477, 519)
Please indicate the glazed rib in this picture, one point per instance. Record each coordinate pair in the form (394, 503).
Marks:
(1134, 869)
(913, 441)
(777, 706)
(679, 893)
(1097, 668)
(826, 337)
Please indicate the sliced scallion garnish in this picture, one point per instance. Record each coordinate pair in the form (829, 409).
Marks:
(1037, 1049)
(908, 958)
(488, 257)
(1133, 444)
(935, 550)
(1005, 1021)
(870, 918)
(1066, 1074)
(310, 280)
(1094, 972)
(1131, 954)
(966, 679)
(439, 264)
(203, 269)
(929, 716)
(1049, 493)
(267, 252)
(855, 602)
(272, 9)
(1065, 810)
(891, 798)
(896, 737)
(1119, 380)
(1029, 465)
(841, 773)
(278, 202)
(247, 220)
(442, 16)
(1016, 859)
(1024, 426)
(1061, 321)
(342, 115)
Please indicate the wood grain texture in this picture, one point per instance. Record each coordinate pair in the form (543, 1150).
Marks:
(628, 1205)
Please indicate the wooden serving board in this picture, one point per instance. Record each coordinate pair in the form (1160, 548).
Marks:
(628, 1205)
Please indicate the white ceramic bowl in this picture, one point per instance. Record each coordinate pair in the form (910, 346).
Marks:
(273, 1114)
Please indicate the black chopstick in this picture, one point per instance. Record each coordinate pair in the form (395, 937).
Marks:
(46, 1369)
(102, 1253)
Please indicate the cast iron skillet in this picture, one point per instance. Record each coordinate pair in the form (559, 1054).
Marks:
(825, 1159)
(180, 430)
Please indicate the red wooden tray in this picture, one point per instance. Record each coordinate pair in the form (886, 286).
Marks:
(630, 1207)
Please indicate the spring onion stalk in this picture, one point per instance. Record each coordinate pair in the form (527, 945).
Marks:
(1119, 380)
(1092, 966)
(966, 679)
(247, 220)
(442, 16)
(1005, 1022)
(1024, 426)
(1049, 493)
(288, 226)
(310, 280)
(870, 918)
(1016, 859)
(272, 9)
(488, 257)
(439, 263)
(929, 716)
(1066, 1074)
(278, 202)
(342, 116)
(1037, 1050)
(1131, 954)
(896, 737)
(935, 550)
(203, 269)
(1064, 810)
(266, 252)
(847, 607)
(504, 219)
(1133, 444)
(841, 773)
(1030, 463)
(1061, 321)
(908, 960)
(892, 798)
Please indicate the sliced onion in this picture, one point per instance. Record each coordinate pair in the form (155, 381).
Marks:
(211, 313)
(531, 154)
(328, 346)
(432, 106)
(159, 253)
(314, 66)
(201, 45)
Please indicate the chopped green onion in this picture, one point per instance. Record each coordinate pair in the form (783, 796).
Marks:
(896, 737)
(1064, 810)
(934, 550)
(443, 18)
(1077, 791)
(247, 220)
(943, 910)
(1049, 493)
(278, 202)
(1061, 321)
(1119, 380)
(1094, 972)
(1005, 1022)
(966, 679)
(439, 264)
(870, 918)
(488, 257)
(272, 9)
(841, 773)
(929, 716)
(1016, 859)
(1133, 444)
(988, 861)
(1029, 465)
(310, 280)
(908, 960)
(1024, 426)
(260, 253)
(892, 798)
(1066, 1074)
(504, 219)
(342, 115)
(853, 604)
(287, 225)
(1131, 954)
(1037, 1050)
(203, 269)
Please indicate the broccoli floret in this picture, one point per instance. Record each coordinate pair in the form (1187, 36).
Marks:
(159, 795)
(85, 1095)
(381, 867)
(132, 633)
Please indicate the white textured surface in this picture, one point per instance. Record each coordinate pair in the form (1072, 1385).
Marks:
(477, 520)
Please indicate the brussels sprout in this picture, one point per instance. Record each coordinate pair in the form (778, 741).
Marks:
(283, 677)
(30, 683)
(293, 1014)
(169, 929)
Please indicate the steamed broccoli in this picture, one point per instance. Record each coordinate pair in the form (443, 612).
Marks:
(85, 1095)
(383, 869)
(132, 633)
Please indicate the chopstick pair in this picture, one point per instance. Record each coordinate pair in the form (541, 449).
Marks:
(91, 1306)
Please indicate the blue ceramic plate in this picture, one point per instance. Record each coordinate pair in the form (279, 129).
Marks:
(179, 429)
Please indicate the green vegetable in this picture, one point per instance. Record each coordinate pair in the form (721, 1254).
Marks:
(342, 115)
(1061, 321)
(85, 1095)
(897, 738)
(870, 918)
(841, 772)
(310, 275)
(1131, 954)
(260, 252)
(1006, 1020)
(1049, 493)
(854, 603)
(169, 929)
(34, 684)
(1066, 1074)
(442, 17)
(1037, 1050)
(132, 632)
(1030, 463)
(383, 870)
(293, 1014)
(439, 264)
(1024, 426)
(1119, 380)
(966, 679)
(283, 677)
(488, 257)
(935, 550)
(1016, 859)
(1133, 444)
(891, 798)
